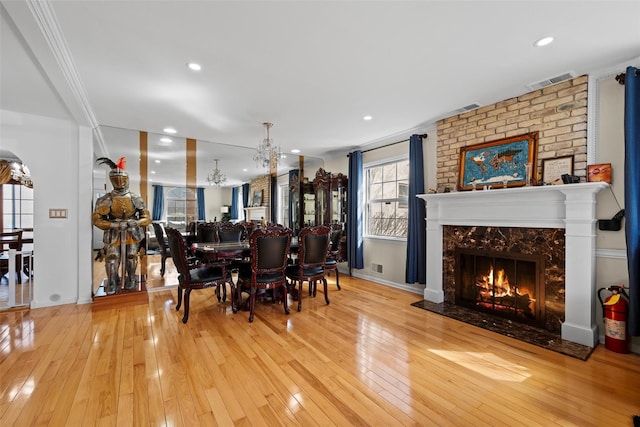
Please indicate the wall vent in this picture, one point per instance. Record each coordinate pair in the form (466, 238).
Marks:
(466, 108)
(551, 81)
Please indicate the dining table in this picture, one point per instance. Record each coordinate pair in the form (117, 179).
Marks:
(208, 252)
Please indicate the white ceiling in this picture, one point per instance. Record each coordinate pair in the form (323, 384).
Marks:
(312, 68)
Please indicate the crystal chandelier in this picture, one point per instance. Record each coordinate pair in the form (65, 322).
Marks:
(216, 177)
(267, 152)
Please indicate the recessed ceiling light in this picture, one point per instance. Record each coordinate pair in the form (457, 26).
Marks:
(152, 172)
(367, 118)
(194, 66)
(157, 161)
(543, 41)
(169, 130)
(295, 151)
(244, 170)
(165, 139)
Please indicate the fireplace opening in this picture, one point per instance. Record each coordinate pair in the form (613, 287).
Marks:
(503, 284)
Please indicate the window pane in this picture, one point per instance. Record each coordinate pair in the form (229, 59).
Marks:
(389, 190)
(375, 191)
(375, 175)
(403, 170)
(389, 210)
(389, 172)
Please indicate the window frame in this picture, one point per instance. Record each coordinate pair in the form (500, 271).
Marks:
(185, 201)
(368, 201)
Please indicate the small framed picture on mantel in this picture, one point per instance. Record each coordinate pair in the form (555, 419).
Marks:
(599, 173)
(553, 169)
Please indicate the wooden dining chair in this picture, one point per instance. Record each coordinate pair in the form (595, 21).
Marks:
(334, 254)
(164, 246)
(207, 233)
(198, 277)
(229, 232)
(266, 270)
(10, 240)
(312, 256)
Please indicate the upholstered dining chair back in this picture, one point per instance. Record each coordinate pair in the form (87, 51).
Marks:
(313, 243)
(230, 232)
(269, 254)
(163, 244)
(207, 233)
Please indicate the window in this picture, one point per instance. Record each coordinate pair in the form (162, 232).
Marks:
(17, 207)
(387, 186)
(182, 207)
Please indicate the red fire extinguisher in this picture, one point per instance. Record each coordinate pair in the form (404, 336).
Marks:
(614, 313)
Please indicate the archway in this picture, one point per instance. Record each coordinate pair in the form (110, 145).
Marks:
(16, 216)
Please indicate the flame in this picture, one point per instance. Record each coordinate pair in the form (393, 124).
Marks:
(498, 286)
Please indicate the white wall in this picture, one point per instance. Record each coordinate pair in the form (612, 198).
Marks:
(611, 260)
(214, 198)
(59, 156)
(391, 254)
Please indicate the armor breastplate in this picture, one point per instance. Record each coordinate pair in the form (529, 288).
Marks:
(122, 207)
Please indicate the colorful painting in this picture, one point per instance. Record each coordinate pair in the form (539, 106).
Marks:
(502, 163)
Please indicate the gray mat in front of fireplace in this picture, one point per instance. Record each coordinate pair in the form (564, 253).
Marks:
(509, 328)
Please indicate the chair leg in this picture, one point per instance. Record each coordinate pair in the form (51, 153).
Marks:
(326, 290)
(163, 263)
(232, 289)
(300, 296)
(252, 303)
(187, 293)
(285, 297)
(338, 279)
(179, 298)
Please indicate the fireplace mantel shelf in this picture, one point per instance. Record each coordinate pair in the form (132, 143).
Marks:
(543, 206)
(570, 206)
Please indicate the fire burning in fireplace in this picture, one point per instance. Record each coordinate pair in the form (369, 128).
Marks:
(498, 291)
(500, 284)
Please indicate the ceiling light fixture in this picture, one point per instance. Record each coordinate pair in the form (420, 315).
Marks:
(216, 177)
(169, 130)
(543, 41)
(267, 152)
(367, 118)
(194, 66)
(295, 151)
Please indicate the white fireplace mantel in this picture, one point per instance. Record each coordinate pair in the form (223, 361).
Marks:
(570, 206)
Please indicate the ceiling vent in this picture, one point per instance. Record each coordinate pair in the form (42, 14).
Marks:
(551, 81)
(466, 108)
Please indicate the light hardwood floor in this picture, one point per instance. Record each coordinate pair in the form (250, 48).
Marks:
(369, 358)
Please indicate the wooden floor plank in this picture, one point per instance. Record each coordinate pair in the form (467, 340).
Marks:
(369, 358)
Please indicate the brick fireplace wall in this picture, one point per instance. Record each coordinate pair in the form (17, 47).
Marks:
(558, 113)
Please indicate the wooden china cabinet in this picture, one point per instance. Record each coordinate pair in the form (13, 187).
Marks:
(301, 202)
(330, 198)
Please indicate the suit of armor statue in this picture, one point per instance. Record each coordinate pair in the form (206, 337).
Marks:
(121, 215)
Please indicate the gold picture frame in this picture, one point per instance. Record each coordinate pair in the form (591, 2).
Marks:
(506, 162)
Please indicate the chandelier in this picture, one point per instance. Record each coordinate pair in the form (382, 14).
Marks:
(267, 152)
(216, 177)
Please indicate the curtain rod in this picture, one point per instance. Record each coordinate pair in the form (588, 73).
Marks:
(620, 78)
(423, 136)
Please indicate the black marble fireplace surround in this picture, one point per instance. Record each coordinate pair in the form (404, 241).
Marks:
(548, 244)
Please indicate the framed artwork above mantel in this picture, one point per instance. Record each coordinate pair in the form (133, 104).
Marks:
(507, 162)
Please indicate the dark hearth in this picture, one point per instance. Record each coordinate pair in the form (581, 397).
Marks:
(530, 334)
